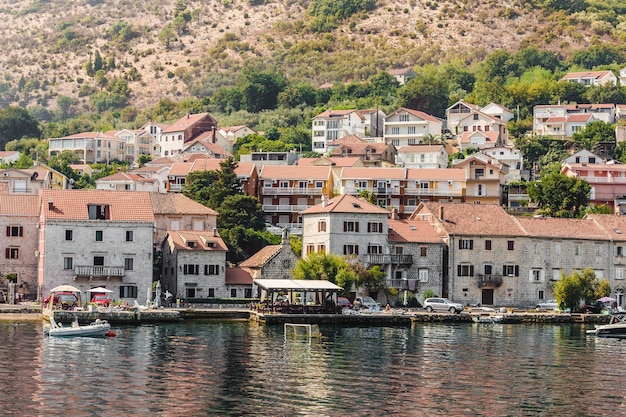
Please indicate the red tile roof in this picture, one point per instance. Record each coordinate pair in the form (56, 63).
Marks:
(204, 241)
(262, 257)
(185, 122)
(72, 204)
(562, 228)
(175, 203)
(22, 205)
(294, 172)
(238, 276)
(469, 219)
(412, 231)
(346, 203)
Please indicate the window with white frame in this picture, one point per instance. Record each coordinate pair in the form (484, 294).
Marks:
(411, 130)
(403, 117)
(191, 269)
(375, 227)
(619, 273)
(395, 130)
(536, 275)
(423, 275)
(556, 274)
(510, 270)
(128, 291)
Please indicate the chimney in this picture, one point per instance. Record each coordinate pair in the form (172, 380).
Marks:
(214, 131)
(51, 204)
(441, 218)
(215, 234)
(394, 214)
(324, 201)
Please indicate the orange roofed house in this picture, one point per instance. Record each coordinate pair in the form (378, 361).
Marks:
(91, 238)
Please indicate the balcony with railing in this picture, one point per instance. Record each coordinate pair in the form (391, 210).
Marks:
(268, 191)
(399, 284)
(386, 259)
(488, 280)
(433, 191)
(395, 190)
(284, 208)
(100, 271)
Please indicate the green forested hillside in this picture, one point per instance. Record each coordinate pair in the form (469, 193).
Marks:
(103, 64)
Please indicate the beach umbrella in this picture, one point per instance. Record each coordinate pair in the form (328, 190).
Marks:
(606, 299)
(65, 288)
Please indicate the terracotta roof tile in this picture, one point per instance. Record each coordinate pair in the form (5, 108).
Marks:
(262, 257)
(562, 228)
(72, 204)
(204, 241)
(294, 172)
(238, 276)
(185, 122)
(614, 226)
(346, 203)
(175, 203)
(373, 173)
(413, 231)
(21, 205)
(470, 219)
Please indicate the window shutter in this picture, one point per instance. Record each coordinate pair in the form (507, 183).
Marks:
(458, 270)
(206, 270)
(356, 247)
(356, 227)
(380, 227)
(344, 250)
(21, 231)
(217, 269)
(517, 270)
(471, 270)
(460, 243)
(369, 227)
(8, 230)
(504, 270)
(472, 244)
(8, 253)
(197, 269)
(185, 269)
(345, 227)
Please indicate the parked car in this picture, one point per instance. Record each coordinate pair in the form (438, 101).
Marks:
(65, 299)
(366, 302)
(277, 230)
(101, 300)
(442, 304)
(548, 305)
(344, 302)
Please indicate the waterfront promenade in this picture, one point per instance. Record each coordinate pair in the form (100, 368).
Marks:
(395, 317)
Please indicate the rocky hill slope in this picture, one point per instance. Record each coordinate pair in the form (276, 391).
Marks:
(177, 48)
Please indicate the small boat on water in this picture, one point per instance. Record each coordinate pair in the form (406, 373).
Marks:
(98, 328)
(615, 328)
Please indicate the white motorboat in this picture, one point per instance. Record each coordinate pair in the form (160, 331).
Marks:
(98, 328)
(615, 328)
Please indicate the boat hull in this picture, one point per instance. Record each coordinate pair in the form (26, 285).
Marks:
(99, 328)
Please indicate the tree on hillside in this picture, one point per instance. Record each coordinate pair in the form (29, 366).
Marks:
(226, 184)
(16, 123)
(260, 89)
(428, 93)
(559, 195)
(594, 133)
(197, 186)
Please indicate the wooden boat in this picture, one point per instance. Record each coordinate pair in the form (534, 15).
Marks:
(98, 328)
(615, 328)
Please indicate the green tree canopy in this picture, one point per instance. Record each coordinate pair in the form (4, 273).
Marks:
(559, 195)
(244, 242)
(578, 287)
(241, 210)
(330, 267)
(594, 133)
(16, 123)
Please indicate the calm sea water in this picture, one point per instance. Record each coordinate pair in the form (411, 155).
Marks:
(240, 369)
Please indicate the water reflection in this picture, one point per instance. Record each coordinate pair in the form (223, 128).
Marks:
(246, 370)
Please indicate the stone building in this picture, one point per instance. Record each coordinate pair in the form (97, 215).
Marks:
(272, 262)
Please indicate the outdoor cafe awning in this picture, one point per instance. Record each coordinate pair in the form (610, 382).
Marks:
(307, 285)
